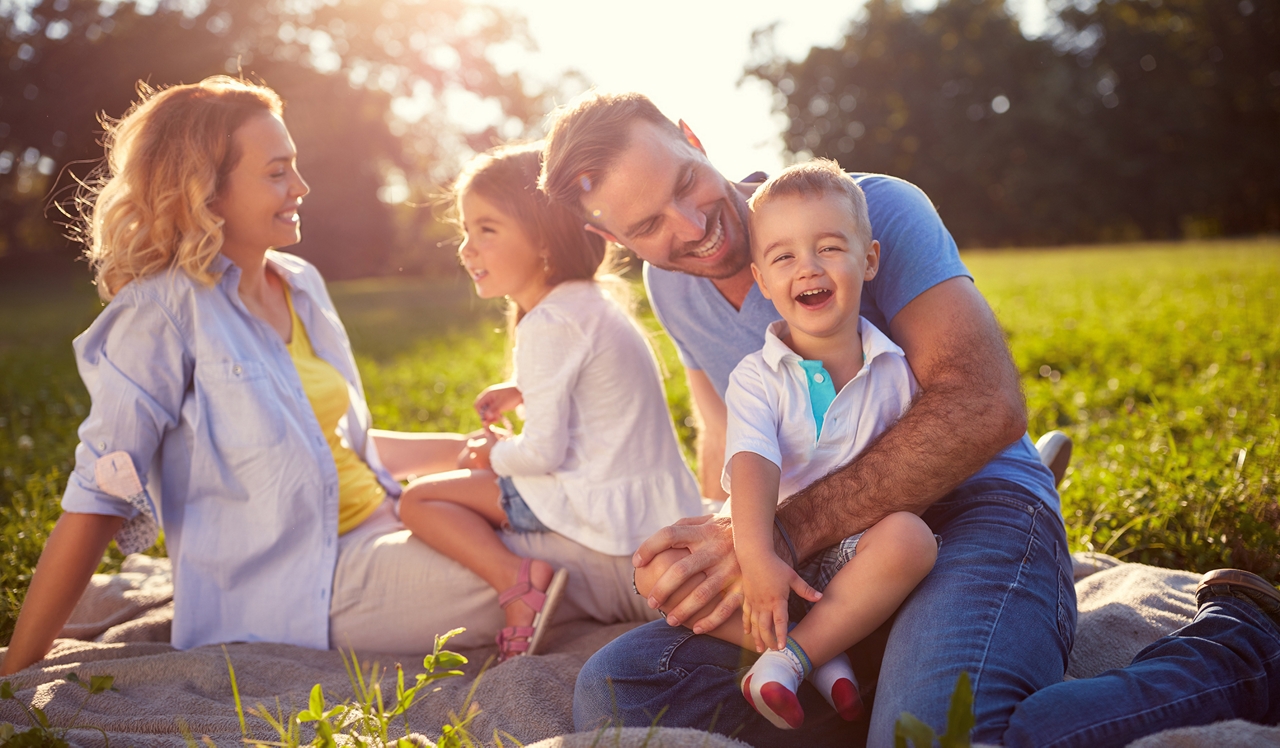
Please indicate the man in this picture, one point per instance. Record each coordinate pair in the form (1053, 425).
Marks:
(999, 603)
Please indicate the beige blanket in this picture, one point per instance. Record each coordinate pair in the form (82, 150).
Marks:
(163, 692)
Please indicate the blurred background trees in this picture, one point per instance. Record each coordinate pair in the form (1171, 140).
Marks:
(369, 87)
(1132, 119)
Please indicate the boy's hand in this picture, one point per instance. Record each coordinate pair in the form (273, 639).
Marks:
(497, 399)
(766, 582)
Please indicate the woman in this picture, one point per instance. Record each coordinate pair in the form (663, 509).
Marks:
(222, 373)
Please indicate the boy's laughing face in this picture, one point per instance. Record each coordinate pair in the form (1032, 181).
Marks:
(810, 259)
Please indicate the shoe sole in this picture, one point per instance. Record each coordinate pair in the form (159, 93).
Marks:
(1240, 584)
(778, 705)
(1055, 453)
(555, 592)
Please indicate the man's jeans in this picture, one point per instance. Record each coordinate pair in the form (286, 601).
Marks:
(999, 604)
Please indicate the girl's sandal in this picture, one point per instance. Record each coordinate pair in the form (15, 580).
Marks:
(521, 640)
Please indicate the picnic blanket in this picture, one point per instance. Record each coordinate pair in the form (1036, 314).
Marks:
(121, 628)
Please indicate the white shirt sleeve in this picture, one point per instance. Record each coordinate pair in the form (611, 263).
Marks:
(752, 417)
(549, 355)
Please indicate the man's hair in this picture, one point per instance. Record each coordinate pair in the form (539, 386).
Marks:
(816, 178)
(587, 135)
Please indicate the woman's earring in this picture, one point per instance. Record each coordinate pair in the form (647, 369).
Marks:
(546, 264)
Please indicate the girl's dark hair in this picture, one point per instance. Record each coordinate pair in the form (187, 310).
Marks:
(507, 177)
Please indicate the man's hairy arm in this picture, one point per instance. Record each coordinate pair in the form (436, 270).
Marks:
(711, 416)
(970, 406)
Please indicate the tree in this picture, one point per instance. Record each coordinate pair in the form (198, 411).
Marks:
(364, 82)
(1033, 141)
(1187, 93)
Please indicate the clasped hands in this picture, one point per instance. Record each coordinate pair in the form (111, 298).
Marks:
(491, 403)
(709, 542)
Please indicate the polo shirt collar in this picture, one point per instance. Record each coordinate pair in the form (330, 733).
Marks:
(874, 343)
(775, 351)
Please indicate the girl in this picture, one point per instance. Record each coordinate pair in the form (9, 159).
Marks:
(597, 461)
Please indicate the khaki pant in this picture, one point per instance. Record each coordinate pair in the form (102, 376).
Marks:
(392, 593)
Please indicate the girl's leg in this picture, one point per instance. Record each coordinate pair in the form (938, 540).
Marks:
(893, 556)
(457, 513)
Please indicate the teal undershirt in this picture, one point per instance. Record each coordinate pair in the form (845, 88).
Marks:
(821, 391)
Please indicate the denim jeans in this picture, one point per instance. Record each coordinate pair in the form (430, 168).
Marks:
(1223, 665)
(520, 518)
(998, 604)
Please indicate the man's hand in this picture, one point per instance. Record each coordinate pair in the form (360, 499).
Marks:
(767, 582)
(709, 540)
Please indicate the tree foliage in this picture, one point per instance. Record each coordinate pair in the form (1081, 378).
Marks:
(367, 83)
(1135, 118)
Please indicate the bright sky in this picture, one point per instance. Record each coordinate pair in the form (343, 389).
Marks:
(688, 55)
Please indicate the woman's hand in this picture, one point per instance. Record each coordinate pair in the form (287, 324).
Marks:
(70, 557)
(497, 399)
(766, 584)
(475, 456)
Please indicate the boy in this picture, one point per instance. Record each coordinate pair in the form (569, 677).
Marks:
(825, 385)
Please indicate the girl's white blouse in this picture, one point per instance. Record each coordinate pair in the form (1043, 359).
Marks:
(597, 460)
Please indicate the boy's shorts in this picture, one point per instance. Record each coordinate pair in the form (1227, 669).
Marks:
(520, 518)
(820, 570)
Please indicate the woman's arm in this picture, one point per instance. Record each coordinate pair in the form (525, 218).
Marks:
(406, 454)
(70, 557)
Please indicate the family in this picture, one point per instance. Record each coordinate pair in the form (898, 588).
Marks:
(858, 411)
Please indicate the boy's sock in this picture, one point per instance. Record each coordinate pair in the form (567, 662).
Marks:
(771, 684)
(837, 684)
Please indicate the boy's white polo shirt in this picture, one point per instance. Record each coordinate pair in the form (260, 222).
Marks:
(770, 414)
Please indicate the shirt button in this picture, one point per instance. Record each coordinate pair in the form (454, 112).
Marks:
(819, 378)
(102, 446)
(236, 370)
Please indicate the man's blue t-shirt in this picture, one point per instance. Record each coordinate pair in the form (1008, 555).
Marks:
(916, 253)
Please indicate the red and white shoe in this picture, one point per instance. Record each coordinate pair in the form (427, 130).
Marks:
(770, 688)
(837, 684)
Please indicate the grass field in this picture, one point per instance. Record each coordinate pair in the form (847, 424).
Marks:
(1162, 362)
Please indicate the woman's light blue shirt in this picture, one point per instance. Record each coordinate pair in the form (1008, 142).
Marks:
(204, 397)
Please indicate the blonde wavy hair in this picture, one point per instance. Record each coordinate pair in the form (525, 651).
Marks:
(146, 208)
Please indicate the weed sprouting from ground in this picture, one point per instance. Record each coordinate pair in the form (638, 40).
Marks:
(368, 717)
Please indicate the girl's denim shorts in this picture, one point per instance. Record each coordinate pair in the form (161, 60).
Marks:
(520, 518)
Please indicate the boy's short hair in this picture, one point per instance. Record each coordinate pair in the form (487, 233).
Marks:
(586, 138)
(816, 178)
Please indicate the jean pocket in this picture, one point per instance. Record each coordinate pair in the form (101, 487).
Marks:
(241, 403)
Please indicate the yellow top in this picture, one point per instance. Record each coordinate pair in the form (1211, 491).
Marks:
(359, 492)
